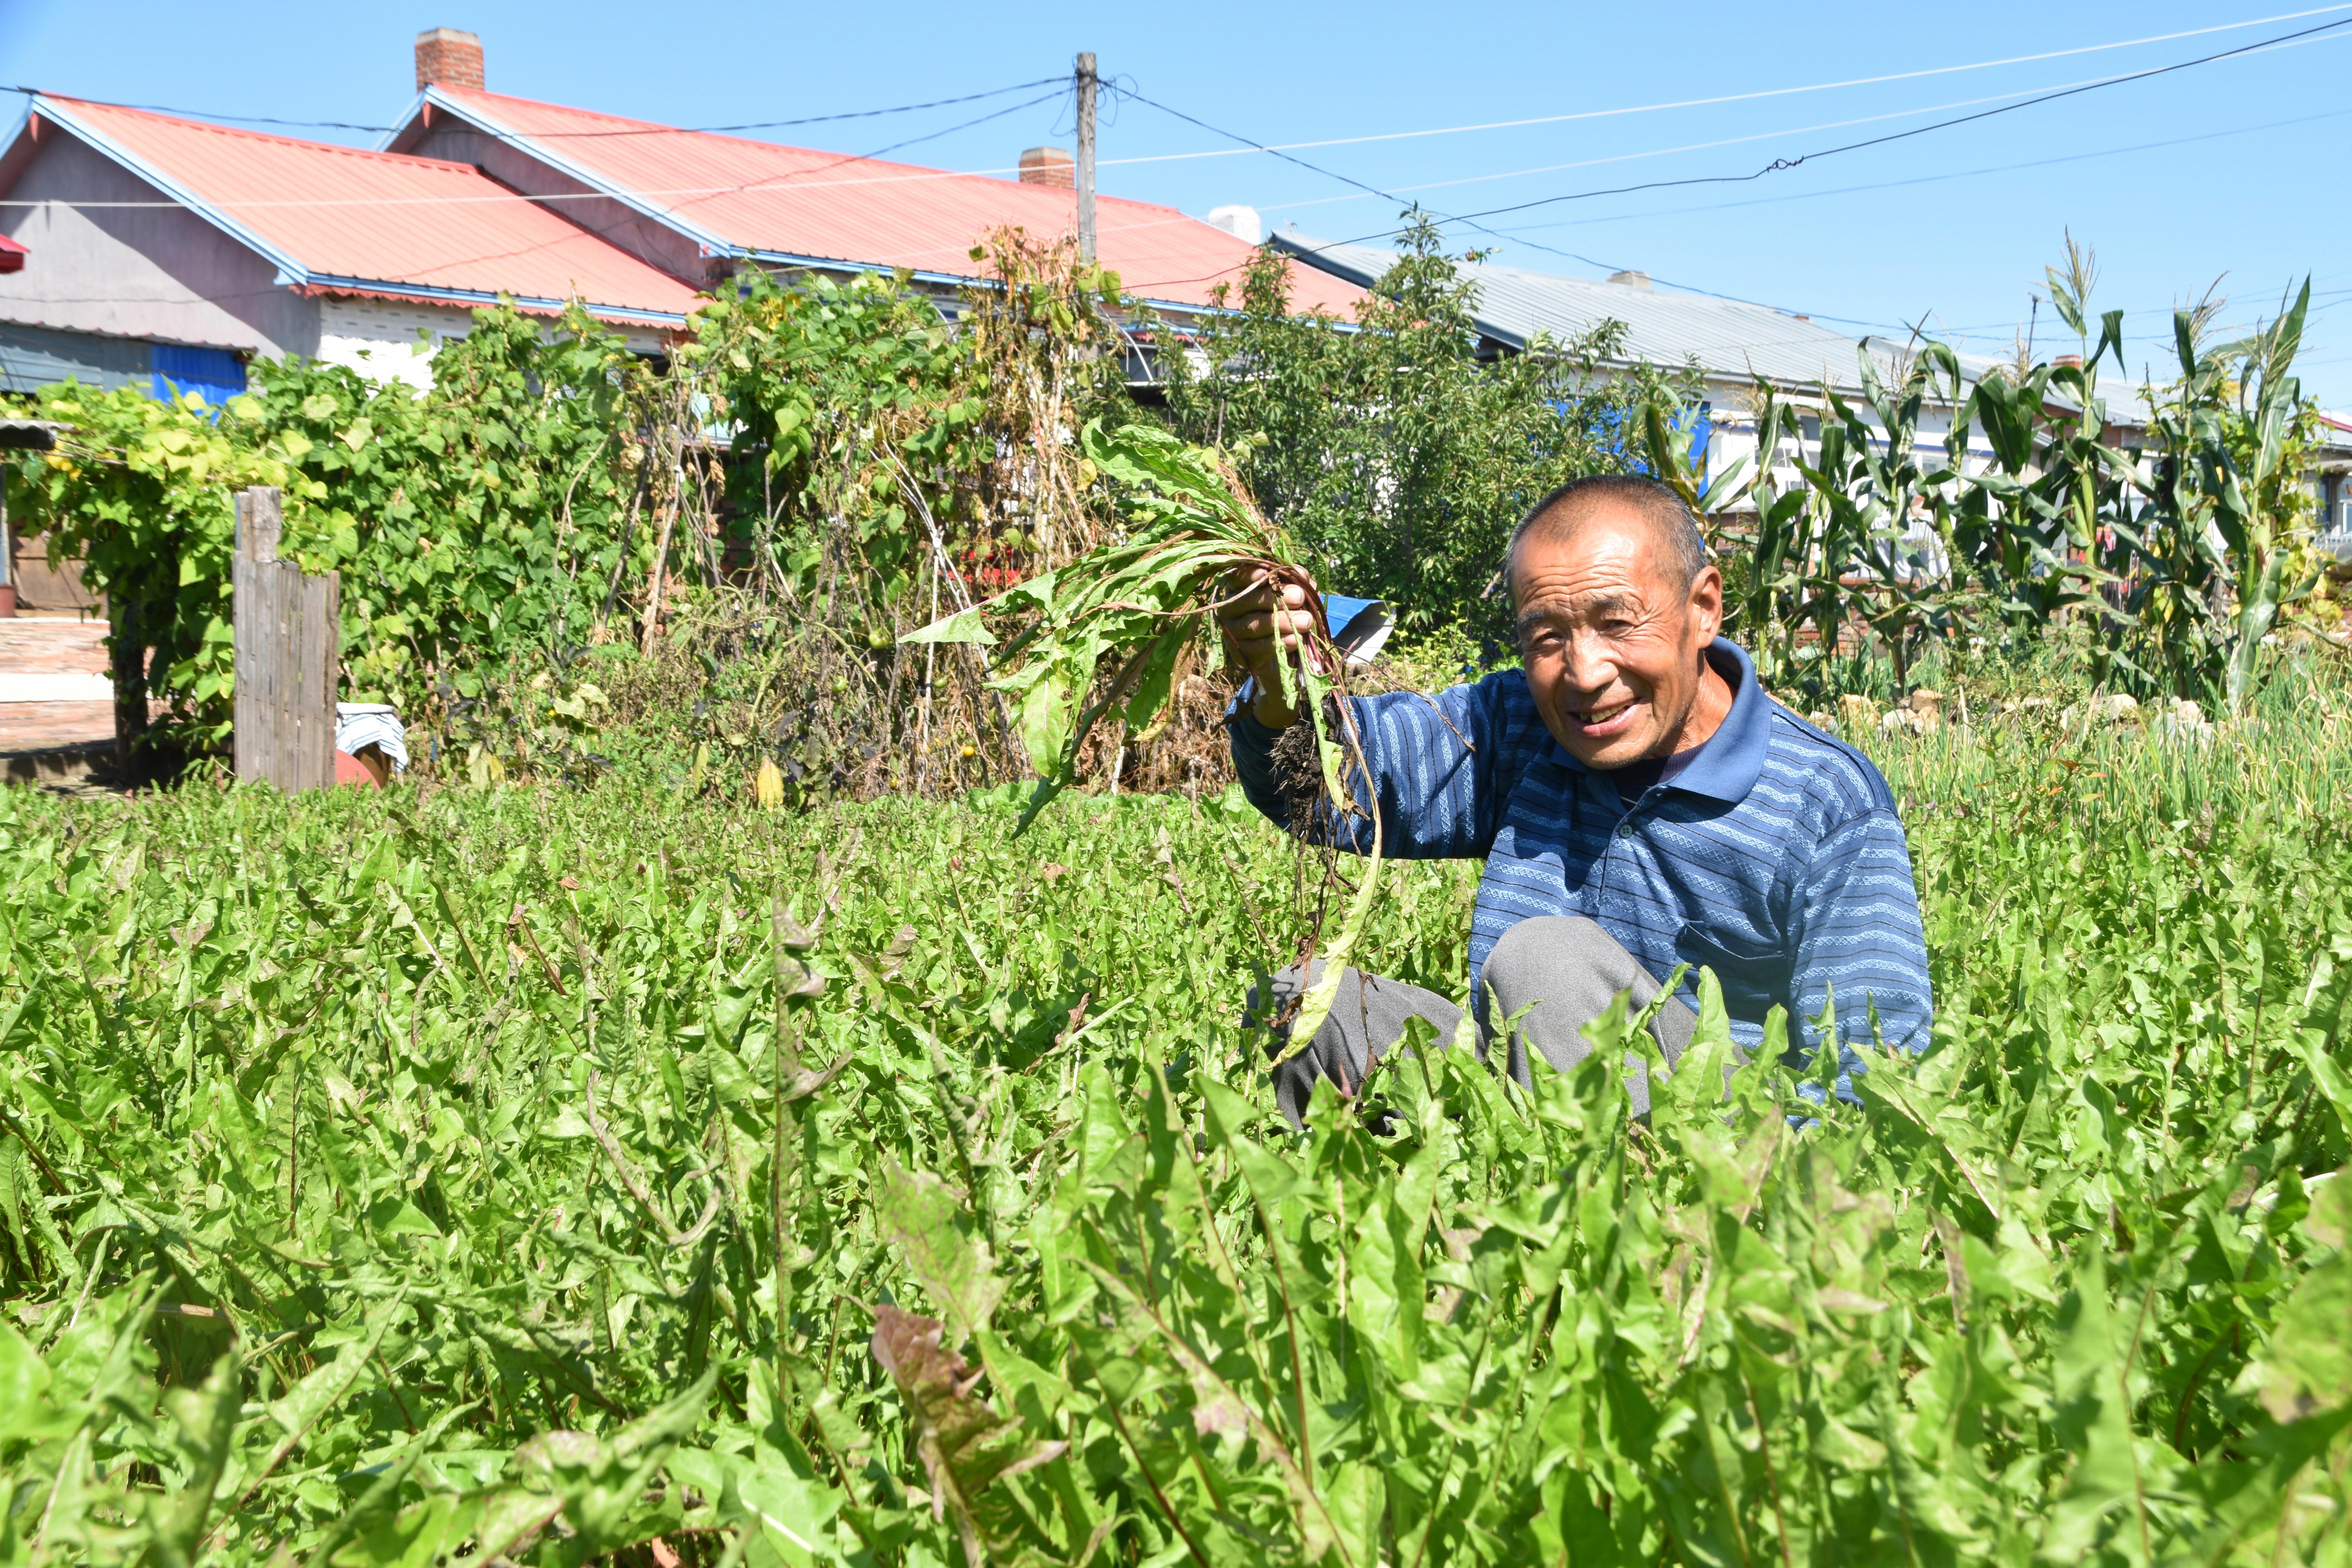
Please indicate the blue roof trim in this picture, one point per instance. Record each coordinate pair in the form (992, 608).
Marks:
(436, 293)
(400, 126)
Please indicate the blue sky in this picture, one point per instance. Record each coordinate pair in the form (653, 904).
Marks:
(2228, 172)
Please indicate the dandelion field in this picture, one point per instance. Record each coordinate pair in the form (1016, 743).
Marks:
(551, 1175)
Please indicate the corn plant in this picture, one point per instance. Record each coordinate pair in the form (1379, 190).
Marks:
(2178, 553)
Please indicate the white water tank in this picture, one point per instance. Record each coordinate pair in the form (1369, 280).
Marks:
(1243, 223)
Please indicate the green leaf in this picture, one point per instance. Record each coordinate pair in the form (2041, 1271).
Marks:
(2092, 1417)
(926, 1217)
(967, 1449)
(2308, 1363)
(963, 626)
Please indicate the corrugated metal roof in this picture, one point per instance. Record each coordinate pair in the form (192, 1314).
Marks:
(27, 435)
(1726, 339)
(737, 195)
(377, 223)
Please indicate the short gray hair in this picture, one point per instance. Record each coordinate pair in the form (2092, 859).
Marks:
(1561, 515)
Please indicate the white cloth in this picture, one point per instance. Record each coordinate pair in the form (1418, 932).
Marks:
(377, 724)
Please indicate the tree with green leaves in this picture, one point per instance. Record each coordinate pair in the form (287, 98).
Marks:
(1396, 454)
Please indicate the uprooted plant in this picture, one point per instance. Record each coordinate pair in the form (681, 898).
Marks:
(1109, 629)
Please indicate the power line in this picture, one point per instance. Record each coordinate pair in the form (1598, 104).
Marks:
(795, 177)
(571, 135)
(32, 92)
(1248, 144)
(1780, 165)
(1469, 219)
(1255, 147)
(1741, 97)
(1955, 174)
(810, 119)
(1286, 157)
(2041, 97)
(1729, 141)
(1061, 87)
(1920, 180)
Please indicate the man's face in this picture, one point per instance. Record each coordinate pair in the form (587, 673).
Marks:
(1613, 650)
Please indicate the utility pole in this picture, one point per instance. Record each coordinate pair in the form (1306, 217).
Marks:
(1087, 159)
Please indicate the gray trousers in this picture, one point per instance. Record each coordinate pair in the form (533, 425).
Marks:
(1564, 969)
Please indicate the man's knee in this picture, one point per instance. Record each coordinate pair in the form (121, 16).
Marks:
(1333, 1052)
(1369, 1014)
(1525, 959)
(1272, 998)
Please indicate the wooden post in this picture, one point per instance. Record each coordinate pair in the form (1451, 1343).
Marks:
(288, 655)
(1086, 169)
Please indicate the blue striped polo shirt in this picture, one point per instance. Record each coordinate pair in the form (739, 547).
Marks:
(1773, 857)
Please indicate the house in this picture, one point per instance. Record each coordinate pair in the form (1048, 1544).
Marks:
(2333, 483)
(167, 253)
(1732, 344)
(696, 205)
(139, 248)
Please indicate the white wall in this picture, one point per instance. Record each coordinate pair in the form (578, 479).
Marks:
(1732, 432)
(380, 337)
(380, 340)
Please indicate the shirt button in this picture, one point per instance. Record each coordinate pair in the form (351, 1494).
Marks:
(1625, 829)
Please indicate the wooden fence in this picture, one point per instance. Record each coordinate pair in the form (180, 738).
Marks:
(288, 655)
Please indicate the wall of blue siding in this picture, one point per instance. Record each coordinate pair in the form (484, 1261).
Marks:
(33, 357)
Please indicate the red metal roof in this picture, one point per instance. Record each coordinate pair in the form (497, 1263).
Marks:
(12, 254)
(379, 220)
(791, 201)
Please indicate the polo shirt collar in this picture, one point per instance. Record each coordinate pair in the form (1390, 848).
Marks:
(1730, 760)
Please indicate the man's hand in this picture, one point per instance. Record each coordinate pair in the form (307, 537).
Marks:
(1263, 620)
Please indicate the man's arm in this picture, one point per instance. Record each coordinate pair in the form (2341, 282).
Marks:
(1433, 760)
(1433, 763)
(1858, 937)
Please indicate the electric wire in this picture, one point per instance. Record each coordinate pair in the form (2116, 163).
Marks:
(792, 178)
(783, 180)
(1470, 219)
(1952, 174)
(1725, 142)
(814, 119)
(1257, 147)
(1779, 165)
(569, 135)
(1737, 97)
(1283, 150)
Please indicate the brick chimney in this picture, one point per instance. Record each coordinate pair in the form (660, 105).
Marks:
(1048, 166)
(448, 57)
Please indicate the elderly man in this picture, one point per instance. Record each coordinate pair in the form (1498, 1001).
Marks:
(1639, 802)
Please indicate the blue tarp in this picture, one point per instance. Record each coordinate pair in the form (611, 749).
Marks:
(1358, 626)
(214, 374)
